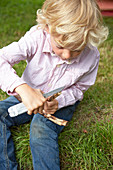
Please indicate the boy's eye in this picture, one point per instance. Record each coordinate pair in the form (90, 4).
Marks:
(59, 47)
(78, 51)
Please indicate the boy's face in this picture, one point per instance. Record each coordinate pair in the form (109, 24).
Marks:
(63, 53)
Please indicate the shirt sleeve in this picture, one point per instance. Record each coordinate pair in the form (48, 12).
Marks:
(13, 54)
(74, 93)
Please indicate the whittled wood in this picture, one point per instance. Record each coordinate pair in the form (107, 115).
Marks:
(52, 118)
(56, 120)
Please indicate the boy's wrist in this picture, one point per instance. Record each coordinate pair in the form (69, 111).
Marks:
(19, 89)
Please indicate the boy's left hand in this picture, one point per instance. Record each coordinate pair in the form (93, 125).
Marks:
(50, 107)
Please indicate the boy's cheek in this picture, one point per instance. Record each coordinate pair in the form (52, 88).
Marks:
(57, 52)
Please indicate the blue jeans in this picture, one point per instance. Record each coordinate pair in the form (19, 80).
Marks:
(43, 137)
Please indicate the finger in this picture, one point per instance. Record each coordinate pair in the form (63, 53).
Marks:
(48, 108)
(35, 111)
(53, 103)
(41, 109)
(49, 111)
(29, 112)
(49, 105)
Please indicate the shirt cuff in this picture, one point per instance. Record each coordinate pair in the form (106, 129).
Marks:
(11, 89)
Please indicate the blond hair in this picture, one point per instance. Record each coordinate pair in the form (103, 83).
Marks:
(77, 22)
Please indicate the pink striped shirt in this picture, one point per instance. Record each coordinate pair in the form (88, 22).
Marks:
(45, 70)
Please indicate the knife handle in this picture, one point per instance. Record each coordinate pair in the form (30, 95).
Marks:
(51, 98)
(17, 109)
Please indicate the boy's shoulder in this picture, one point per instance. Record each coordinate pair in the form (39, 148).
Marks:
(37, 31)
(35, 28)
(90, 55)
(90, 52)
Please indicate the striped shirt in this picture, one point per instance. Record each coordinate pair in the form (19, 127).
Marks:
(45, 70)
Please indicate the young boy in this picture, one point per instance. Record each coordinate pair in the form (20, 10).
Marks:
(60, 51)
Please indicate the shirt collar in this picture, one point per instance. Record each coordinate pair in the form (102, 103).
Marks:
(76, 59)
(47, 46)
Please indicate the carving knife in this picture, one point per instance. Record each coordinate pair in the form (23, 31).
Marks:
(20, 108)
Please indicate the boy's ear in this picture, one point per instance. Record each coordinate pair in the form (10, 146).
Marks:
(47, 29)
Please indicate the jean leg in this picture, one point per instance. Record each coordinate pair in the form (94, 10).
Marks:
(44, 139)
(7, 155)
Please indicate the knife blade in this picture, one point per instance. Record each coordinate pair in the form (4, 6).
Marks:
(20, 107)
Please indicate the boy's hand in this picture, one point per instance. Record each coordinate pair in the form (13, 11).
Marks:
(50, 107)
(31, 98)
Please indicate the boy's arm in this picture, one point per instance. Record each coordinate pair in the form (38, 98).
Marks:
(12, 54)
(75, 92)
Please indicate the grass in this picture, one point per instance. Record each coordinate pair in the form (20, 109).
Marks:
(87, 142)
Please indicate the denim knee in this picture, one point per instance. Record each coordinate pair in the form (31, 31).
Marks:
(44, 144)
(5, 104)
(4, 116)
(3, 112)
(42, 130)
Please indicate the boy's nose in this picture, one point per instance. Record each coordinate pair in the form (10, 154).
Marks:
(66, 54)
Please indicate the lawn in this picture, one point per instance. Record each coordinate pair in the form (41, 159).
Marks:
(87, 142)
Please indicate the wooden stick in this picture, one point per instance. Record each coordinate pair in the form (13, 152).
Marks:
(56, 120)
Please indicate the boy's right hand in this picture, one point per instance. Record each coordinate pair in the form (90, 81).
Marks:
(31, 98)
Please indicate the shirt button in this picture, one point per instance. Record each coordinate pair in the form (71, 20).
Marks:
(69, 61)
(49, 85)
(58, 65)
